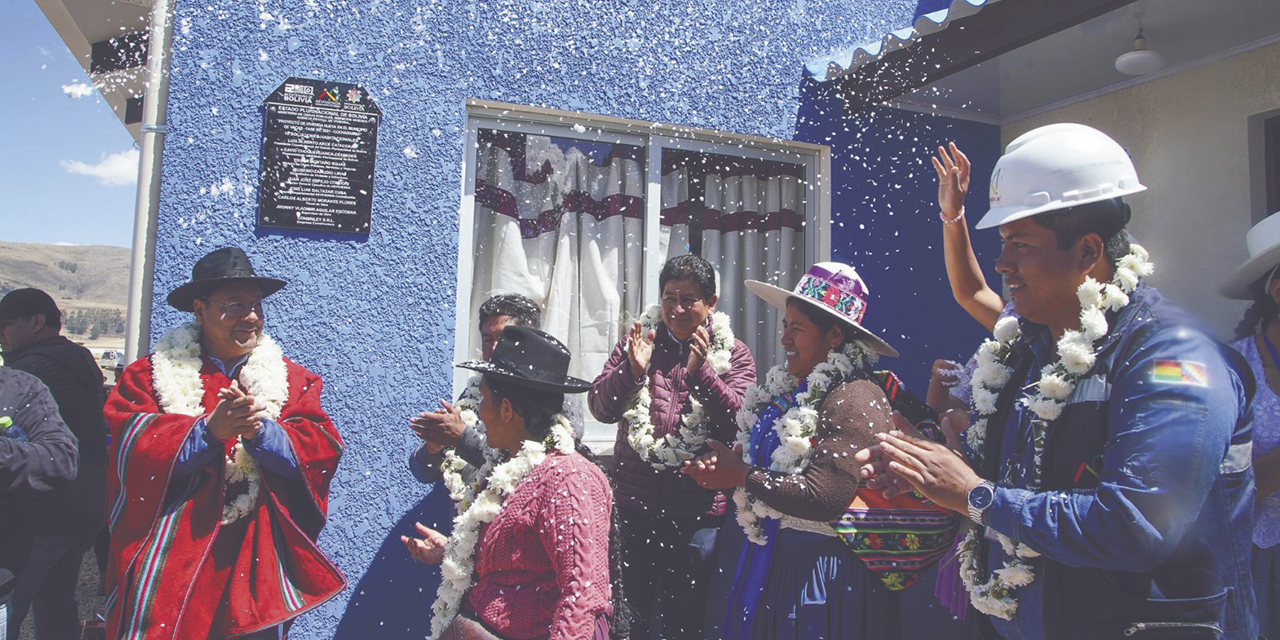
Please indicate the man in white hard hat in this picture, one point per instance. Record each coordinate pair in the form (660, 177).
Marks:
(1106, 467)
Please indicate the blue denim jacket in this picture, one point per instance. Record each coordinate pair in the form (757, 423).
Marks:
(1145, 512)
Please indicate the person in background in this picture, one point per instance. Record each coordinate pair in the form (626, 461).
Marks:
(65, 521)
(221, 461)
(453, 441)
(1256, 338)
(1107, 467)
(674, 381)
(38, 454)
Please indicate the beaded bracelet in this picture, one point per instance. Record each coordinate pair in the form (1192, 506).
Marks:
(951, 221)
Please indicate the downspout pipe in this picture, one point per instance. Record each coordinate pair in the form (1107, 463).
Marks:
(151, 144)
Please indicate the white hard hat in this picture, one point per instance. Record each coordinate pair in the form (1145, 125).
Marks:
(1055, 167)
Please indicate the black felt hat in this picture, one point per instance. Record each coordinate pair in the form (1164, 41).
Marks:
(21, 303)
(530, 358)
(222, 266)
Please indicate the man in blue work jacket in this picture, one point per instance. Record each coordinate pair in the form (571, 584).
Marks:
(1106, 467)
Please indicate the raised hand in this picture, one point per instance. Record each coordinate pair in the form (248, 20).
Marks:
(639, 349)
(953, 181)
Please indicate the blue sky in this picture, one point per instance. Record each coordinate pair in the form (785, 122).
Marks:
(63, 178)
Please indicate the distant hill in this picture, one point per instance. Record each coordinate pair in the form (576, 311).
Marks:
(78, 277)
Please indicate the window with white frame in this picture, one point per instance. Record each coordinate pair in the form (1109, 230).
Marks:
(579, 212)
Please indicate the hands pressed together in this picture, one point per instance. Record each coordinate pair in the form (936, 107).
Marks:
(236, 414)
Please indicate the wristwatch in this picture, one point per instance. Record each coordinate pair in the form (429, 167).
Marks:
(980, 498)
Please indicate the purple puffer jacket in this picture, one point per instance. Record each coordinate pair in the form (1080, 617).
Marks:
(640, 487)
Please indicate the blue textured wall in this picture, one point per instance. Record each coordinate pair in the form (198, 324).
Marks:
(374, 315)
(884, 222)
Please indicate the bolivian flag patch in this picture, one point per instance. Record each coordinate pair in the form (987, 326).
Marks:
(1180, 372)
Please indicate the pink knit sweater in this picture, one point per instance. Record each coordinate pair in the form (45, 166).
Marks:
(542, 565)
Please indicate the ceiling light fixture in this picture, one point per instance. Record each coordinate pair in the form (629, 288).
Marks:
(1141, 60)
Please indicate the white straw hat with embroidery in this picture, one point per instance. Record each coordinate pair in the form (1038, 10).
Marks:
(836, 290)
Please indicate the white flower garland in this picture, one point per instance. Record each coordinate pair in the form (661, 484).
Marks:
(1076, 356)
(176, 376)
(458, 566)
(796, 428)
(461, 491)
(672, 451)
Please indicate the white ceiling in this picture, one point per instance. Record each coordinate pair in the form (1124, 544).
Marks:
(1080, 61)
(80, 23)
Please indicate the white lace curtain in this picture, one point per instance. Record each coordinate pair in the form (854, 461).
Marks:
(560, 221)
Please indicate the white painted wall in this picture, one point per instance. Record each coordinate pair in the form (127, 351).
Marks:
(1188, 135)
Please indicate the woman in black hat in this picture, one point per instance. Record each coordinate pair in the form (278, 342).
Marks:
(532, 553)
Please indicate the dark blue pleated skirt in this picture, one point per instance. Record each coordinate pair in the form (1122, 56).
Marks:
(818, 589)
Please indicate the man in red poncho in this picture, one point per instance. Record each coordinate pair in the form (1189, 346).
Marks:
(220, 469)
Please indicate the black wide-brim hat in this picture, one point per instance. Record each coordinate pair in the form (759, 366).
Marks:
(227, 265)
(530, 358)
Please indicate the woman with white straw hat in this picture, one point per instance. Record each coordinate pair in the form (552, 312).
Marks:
(1256, 337)
(794, 475)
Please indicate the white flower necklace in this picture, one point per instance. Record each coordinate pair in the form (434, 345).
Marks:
(796, 428)
(461, 491)
(176, 376)
(672, 451)
(458, 566)
(1076, 357)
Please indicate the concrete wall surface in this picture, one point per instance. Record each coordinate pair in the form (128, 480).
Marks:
(1188, 134)
(374, 314)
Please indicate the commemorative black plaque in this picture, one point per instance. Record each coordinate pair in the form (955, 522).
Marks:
(319, 144)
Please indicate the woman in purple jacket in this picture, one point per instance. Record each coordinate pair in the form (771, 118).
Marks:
(676, 380)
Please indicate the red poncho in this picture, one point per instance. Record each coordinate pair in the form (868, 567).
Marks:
(175, 571)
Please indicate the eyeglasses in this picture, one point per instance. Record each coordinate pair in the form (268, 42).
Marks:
(237, 310)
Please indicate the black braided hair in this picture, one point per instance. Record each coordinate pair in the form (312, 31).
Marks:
(1259, 314)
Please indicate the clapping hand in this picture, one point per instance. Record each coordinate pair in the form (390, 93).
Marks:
(946, 375)
(699, 347)
(639, 349)
(429, 549)
(440, 428)
(903, 461)
(720, 468)
(236, 414)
